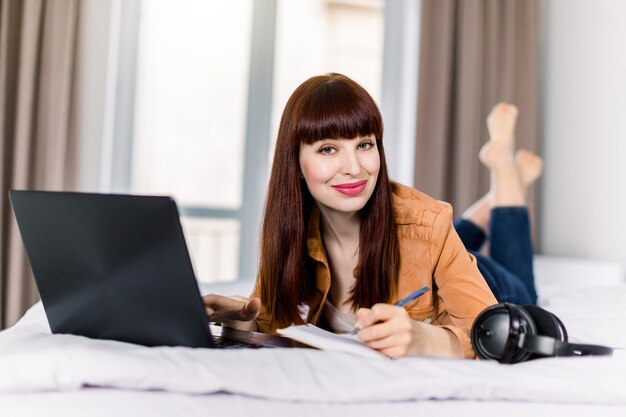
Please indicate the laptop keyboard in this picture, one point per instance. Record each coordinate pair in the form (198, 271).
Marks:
(232, 344)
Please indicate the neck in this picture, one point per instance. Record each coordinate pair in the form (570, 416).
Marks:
(341, 228)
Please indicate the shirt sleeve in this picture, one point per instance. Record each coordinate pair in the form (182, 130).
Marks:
(461, 289)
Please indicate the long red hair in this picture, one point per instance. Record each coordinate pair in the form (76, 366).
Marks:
(330, 106)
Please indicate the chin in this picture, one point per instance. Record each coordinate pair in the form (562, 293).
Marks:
(349, 206)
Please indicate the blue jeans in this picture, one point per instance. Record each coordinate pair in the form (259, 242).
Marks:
(508, 269)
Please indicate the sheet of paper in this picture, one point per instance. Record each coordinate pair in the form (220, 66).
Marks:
(322, 339)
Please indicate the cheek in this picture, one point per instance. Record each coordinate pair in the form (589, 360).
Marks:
(316, 171)
(372, 164)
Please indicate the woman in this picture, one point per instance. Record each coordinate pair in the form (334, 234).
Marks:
(340, 243)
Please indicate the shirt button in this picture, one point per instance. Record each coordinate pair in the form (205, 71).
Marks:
(428, 320)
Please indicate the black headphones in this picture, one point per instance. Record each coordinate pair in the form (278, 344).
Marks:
(511, 333)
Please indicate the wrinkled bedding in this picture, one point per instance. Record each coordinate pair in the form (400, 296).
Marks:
(34, 361)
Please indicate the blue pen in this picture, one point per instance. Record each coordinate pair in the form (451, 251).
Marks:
(417, 294)
(406, 300)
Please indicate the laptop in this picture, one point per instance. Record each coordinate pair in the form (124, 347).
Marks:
(117, 267)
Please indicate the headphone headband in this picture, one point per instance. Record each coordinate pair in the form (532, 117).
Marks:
(511, 333)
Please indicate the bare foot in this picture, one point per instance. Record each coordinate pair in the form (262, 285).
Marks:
(501, 121)
(529, 166)
(507, 188)
(499, 150)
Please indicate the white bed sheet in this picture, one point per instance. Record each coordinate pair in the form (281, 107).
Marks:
(44, 374)
(103, 402)
(33, 360)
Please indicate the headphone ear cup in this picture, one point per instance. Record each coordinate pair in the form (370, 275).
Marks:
(491, 333)
(547, 323)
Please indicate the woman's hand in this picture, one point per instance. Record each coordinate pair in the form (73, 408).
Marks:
(390, 330)
(230, 310)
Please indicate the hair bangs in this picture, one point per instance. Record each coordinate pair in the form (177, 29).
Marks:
(338, 109)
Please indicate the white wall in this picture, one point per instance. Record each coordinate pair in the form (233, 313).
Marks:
(583, 191)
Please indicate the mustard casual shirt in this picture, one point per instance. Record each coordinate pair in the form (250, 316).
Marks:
(431, 253)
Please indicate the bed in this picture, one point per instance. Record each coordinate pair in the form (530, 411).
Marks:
(63, 375)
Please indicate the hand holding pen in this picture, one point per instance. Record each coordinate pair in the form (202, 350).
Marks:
(406, 300)
(390, 330)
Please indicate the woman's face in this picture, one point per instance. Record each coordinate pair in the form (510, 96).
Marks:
(341, 173)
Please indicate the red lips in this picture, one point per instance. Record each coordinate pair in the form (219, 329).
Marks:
(352, 188)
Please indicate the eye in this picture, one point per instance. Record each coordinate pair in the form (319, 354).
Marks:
(365, 145)
(326, 150)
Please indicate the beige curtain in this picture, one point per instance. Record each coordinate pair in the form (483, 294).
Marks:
(37, 44)
(473, 54)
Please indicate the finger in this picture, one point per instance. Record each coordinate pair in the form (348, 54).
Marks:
(219, 307)
(394, 345)
(361, 315)
(381, 312)
(209, 305)
(251, 309)
(395, 340)
(222, 302)
(396, 325)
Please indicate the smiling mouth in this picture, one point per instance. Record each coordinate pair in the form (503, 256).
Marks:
(353, 188)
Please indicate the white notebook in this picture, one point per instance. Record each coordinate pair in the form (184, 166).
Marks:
(322, 339)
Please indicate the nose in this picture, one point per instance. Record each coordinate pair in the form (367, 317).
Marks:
(350, 164)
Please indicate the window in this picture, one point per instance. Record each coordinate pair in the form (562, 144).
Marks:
(317, 37)
(208, 82)
(191, 97)
(188, 137)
